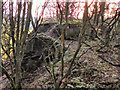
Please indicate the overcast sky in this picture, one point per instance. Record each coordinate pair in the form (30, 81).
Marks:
(37, 6)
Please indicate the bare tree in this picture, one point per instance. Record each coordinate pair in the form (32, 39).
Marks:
(0, 29)
(102, 10)
(95, 11)
(18, 34)
(38, 20)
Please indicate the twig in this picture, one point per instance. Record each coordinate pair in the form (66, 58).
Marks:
(83, 53)
(8, 76)
(6, 53)
(117, 65)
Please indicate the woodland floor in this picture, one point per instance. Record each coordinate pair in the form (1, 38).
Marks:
(88, 72)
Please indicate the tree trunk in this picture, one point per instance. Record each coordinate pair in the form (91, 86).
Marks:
(21, 47)
(102, 9)
(0, 29)
(95, 12)
(118, 58)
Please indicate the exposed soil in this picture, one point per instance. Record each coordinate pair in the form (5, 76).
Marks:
(89, 67)
(88, 71)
